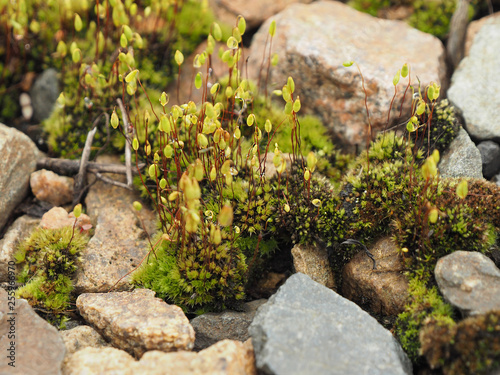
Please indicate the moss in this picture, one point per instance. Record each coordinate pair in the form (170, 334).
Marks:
(471, 346)
(49, 258)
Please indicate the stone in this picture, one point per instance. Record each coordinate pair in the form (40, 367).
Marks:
(58, 217)
(267, 285)
(18, 231)
(490, 155)
(474, 27)
(119, 242)
(44, 94)
(462, 159)
(137, 321)
(312, 41)
(313, 261)
(224, 358)
(213, 327)
(38, 349)
(91, 360)
(50, 187)
(18, 161)
(383, 290)
(475, 85)
(81, 337)
(470, 281)
(306, 328)
(255, 12)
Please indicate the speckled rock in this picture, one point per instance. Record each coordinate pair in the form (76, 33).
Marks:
(490, 155)
(306, 329)
(470, 281)
(137, 321)
(312, 42)
(18, 161)
(224, 358)
(18, 231)
(58, 217)
(81, 337)
(474, 27)
(462, 159)
(255, 12)
(313, 261)
(119, 242)
(38, 349)
(50, 187)
(213, 327)
(383, 290)
(475, 85)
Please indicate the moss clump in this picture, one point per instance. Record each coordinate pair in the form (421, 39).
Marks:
(49, 258)
(424, 303)
(471, 346)
(199, 277)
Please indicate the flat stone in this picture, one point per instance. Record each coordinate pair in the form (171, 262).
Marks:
(313, 261)
(313, 40)
(37, 347)
(462, 159)
(137, 321)
(18, 161)
(81, 337)
(470, 281)
(213, 327)
(383, 290)
(306, 328)
(475, 85)
(100, 361)
(50, 187)
(119, 242)
(18, 231)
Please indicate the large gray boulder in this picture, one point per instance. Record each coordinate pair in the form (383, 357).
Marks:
(312, 42)
(306, 328)
(18, 161)
(475, 85)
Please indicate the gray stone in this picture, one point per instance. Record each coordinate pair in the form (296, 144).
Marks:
(18, 231)
(44, 94)
(213, 327)
(462, 159)
(119, 242)
(470, 281)
(383, 290)
(18, 161)
(38, 349)
(475, 85)
(306, 328)
(312, 42)
(490, 155)
(137, 321)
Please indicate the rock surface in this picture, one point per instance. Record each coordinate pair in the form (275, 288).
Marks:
(58, 217)
(119, 242)
(462, 159)
(44, 94)
(213, 327)
(312, 42)
(18, 161)
(50, 187)
(224, 358)
(490, 155)
(255, 12)
(36, 347)
(18, 231)
(313, 262)
(469, 281)
(306, 328)
(137, 321)
(475, 85)
(383, 290)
